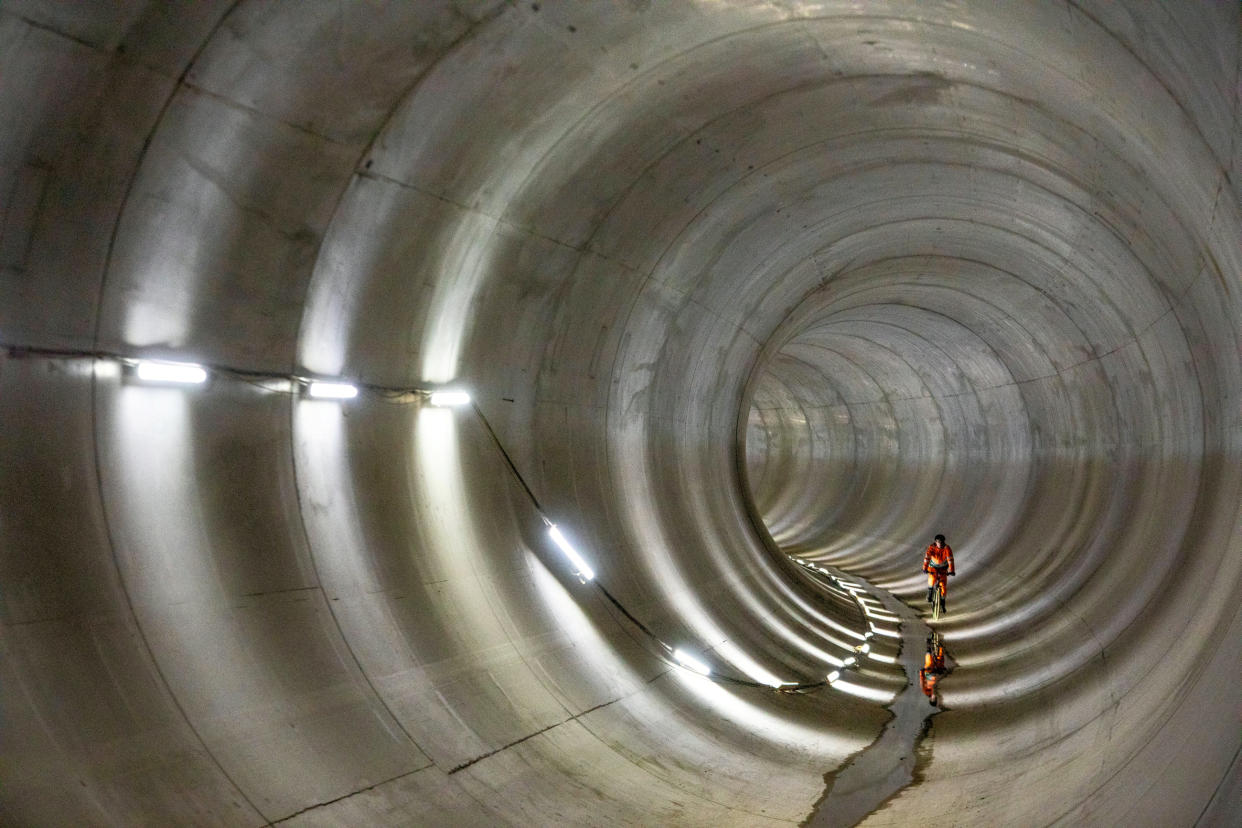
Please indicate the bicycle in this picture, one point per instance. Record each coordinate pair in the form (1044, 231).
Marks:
(933, 667)
(938, 564)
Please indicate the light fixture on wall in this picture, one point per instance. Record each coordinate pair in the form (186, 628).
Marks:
(581, 565)
(691, 663)
(165, 372)
(172, 373)
(322, 390)
(449, 398)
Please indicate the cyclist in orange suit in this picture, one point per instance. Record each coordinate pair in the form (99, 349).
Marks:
(938, 564)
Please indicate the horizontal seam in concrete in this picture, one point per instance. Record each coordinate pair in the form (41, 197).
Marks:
(583, 249)
(45, 27)
(265, 592)
(232, 103)
(350, 794)
(117, 55)
(554, 725)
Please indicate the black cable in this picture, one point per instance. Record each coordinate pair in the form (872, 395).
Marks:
(612, 599)
(395, 394)
(627, 614)
(509, 461)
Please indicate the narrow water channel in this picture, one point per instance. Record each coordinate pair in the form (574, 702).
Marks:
(887, 765)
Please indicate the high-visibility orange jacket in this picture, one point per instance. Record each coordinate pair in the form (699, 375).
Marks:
(938, 556)
(928, 679)
(933, 669)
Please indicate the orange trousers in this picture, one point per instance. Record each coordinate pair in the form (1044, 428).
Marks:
(938, 575)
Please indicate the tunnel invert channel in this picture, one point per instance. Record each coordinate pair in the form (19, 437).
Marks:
(732, 282)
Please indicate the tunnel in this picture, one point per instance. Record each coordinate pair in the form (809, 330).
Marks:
(750, 299)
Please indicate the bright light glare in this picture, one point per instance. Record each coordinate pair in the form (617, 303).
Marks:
(186, 373)
(691, 663)
(332, 390)
(871, 693)
(571, 553)
(866, 648)
(833, 676)
(445, 399)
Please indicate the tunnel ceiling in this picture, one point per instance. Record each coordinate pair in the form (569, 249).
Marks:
(745, 293)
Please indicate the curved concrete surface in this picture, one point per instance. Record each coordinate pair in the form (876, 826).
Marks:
(730, 281)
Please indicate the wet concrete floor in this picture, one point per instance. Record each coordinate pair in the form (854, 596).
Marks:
(887, 765)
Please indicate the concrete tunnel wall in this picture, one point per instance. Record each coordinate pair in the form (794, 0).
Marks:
(728, 280)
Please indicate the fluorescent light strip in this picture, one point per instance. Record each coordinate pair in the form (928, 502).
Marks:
(691, 663)
(571, 553)
(445, 399)
(332, 390)
(181, 373)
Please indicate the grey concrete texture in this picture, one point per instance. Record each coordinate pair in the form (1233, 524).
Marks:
(730, 281)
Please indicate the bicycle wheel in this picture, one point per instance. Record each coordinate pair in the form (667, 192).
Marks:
(936, 603)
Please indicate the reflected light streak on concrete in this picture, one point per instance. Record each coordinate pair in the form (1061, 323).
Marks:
(739, 658)
(347, 258)
(169, 566)
(158, 320)
(468, 259)
(451, 530)
(789, 598)
(863, 692)
(153, 431)
(761, 721)
(320, 426)
(107, 369)
(680, 593)
(590, 646)
(776, 626)
(810, 649)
